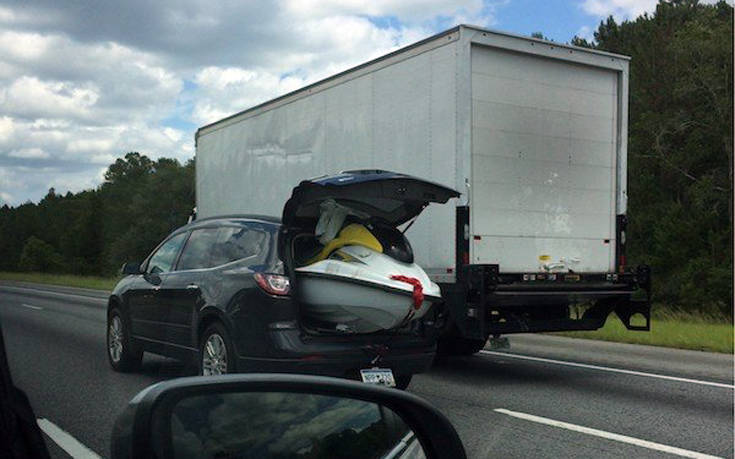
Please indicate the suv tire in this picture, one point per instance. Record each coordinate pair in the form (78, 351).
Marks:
(216, 353)
(402, 381)
(122, 354)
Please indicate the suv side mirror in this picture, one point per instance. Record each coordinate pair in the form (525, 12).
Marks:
(130, 268)
(280, 415)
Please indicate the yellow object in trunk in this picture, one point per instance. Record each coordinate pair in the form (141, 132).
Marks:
(353, 234)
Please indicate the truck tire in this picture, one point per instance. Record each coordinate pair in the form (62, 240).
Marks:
(464, 346)
(456, 346)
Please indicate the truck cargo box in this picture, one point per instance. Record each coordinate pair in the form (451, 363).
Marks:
(532, 133)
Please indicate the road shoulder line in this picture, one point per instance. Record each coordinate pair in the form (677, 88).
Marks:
(609, 369)
(71, 445)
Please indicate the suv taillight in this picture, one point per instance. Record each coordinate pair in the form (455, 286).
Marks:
(273, 284)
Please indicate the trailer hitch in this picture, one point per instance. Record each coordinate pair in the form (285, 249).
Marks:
(380, 351)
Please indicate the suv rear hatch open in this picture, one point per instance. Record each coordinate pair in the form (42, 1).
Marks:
(351, 269)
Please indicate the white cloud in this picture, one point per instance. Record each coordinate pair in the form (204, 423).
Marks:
(6, 128)
(407, 10)
(586, 32)
(50, 123)
(173, 135)
(23, 46)
(29, 153)
(31, 98)
(223, 91)
(328, 45)
(89, 145)
(6, 14)
(77, 92)
(8, 181)
(619, 9)
(119, 81)
(75, 181)
(104, 158)
(626, 9)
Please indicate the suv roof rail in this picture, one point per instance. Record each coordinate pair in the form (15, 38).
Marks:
(266, 218)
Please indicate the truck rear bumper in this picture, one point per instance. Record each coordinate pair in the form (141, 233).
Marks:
(548, 313)
(523, 297)
(500, 304)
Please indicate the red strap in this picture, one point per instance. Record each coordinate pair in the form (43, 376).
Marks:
(418, 290)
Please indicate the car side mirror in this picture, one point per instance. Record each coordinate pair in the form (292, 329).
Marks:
(130, 268)
(280, 415)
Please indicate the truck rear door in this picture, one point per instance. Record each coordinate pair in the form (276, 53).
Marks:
(544, 143)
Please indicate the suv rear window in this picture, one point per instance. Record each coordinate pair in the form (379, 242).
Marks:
(210, 247)
(198, 249)
(237, 243)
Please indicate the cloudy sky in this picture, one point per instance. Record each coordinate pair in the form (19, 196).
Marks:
(84, 82)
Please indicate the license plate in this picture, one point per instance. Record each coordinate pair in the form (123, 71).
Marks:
(380, 376)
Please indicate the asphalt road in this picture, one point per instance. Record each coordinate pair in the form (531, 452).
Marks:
(545, 397)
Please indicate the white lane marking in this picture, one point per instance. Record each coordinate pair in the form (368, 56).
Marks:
(611, 369)
(30, 306)
(71, 445)
(50, 293)
(608, 435)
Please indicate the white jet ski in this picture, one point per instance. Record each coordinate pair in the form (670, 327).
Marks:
(359, 289)
(359, 276)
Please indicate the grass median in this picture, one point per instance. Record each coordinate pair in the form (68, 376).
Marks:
(682, 331)
(67, 280)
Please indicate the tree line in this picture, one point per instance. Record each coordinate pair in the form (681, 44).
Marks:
(679, 172)
(94, 231)
(680, 147)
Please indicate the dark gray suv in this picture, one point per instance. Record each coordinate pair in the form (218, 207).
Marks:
(219, 292)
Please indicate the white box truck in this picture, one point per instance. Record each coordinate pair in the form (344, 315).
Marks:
(532, 133)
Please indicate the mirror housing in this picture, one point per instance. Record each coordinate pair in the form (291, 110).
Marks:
(144, 425)
(130, 268)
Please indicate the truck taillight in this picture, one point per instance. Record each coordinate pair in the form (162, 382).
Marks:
(621, 223)
(273, 284)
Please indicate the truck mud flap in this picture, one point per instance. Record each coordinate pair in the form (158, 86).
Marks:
(626, 311)
(629, 308)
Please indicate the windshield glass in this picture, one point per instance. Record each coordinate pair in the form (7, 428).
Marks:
(520, 212)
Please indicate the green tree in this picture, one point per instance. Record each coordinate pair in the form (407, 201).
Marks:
(150, 205)
(39, 256)
(95, 231)
(680, 148)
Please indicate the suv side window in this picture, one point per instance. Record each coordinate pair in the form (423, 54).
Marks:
(238, 242)
(198, 250)
(162, 261)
